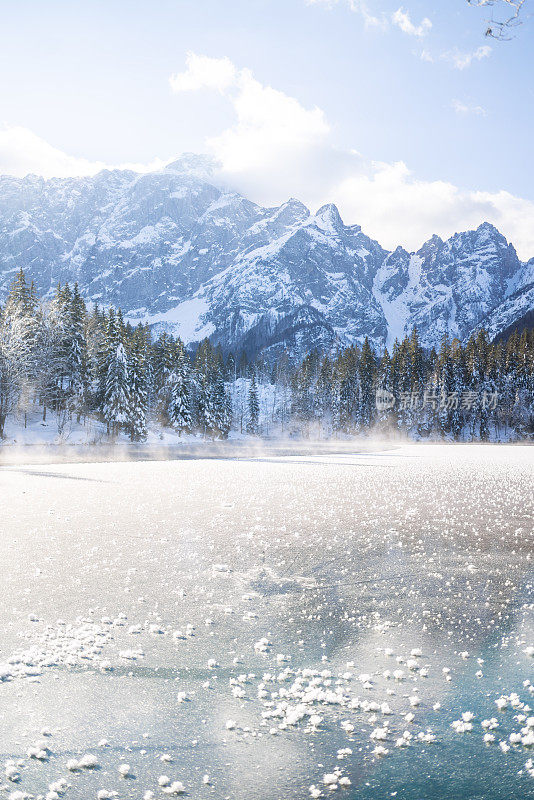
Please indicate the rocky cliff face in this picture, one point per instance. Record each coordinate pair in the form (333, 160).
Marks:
(173, 249)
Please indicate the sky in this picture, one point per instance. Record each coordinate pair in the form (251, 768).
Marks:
(404, 115)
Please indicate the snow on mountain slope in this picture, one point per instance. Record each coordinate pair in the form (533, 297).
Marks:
(514, 308)
(318, 263)
(176, 250)
(395, 283)
(447, 287)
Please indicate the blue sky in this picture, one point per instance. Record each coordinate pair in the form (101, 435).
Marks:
(404, 114)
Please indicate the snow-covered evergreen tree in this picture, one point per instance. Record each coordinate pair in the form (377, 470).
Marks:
(337, 422)
(222, 407)
(384, 396)
(137, 388)
(9, 374)
(23, 321)
(367, 369)
(76, 354)
(446, 386)
(459, 387)
(55, 356)
(253, 417)
(116, 407)
(180, 397)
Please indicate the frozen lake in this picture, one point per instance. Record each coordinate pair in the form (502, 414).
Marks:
(272, 626)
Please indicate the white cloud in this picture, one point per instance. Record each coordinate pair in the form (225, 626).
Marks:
(267, 123)
(370, 19)
(203, 72)
(22, 152)
(277, 148)
(468, 108)
(394, 207)
(456, 58)
(401, 19)
(271, 128)
(461, 60)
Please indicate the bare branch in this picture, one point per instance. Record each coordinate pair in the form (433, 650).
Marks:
(501, 27)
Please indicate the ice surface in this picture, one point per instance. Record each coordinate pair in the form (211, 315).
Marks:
(270, 626)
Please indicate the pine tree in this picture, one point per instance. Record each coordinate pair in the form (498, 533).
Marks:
(367, 368)
(180, 398)
(138, 395)
(77, 353)
(479, 378)
(323, 391)
(416, 361)
(203, 404)
(21, 299)
(230, 368)
(106, 347)
(243, 368)
(253, 417)
(446, 386)
(459, 387)
(303, 387)
(116, 408)
(162, 369)
(222, 408)
(9, 374)
(397, 381)
(23, 319)
(337, 422)
(347, 396)
(384, 398)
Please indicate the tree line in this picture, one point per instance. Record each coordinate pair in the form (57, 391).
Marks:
(72, 363)
(75, 363)
(459, 391)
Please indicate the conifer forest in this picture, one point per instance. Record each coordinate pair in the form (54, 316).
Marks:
(71, 362)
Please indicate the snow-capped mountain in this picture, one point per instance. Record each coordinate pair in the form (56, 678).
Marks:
(174, 249)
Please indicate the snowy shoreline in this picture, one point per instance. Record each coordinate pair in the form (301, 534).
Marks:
(192, 449)
(247, 447)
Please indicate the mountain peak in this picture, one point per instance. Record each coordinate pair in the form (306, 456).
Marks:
(295, 203)
(486, 232)
(487, 226)
(184, 250)
(328, 218)
(292, 211)
(431, 245)
(194, 165)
